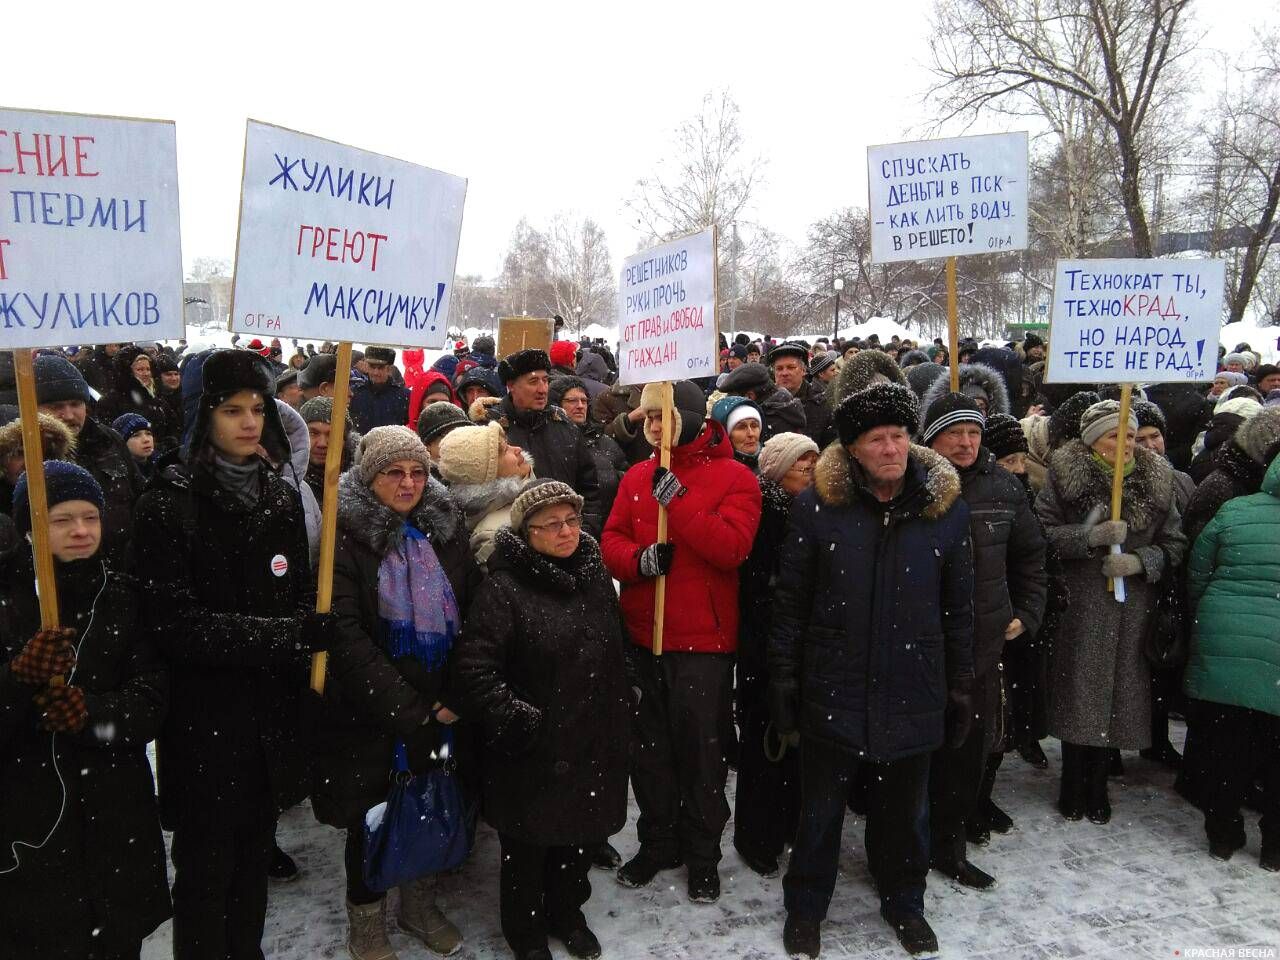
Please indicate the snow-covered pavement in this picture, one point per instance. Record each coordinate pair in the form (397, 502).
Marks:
(1141, 886)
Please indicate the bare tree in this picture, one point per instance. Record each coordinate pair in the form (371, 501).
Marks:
(1116, 59)
(205, 269)
(709, 179)
(526, 273)
(581, 272)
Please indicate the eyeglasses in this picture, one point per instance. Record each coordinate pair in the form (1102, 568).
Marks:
(396, 475)
(803, 471)
(556, 526)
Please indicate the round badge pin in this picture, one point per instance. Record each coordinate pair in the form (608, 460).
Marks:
(279, 564)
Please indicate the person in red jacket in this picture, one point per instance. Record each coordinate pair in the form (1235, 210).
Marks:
(683, 719)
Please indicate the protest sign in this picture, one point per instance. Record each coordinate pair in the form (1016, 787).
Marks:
(90, 245)
(524, 333)
(947, 198)
(337, 243)
(1135, 321)
(667, 312)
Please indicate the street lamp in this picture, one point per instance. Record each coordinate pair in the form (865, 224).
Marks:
(837, 284)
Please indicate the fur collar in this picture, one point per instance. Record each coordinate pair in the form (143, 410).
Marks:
(365, 518)
(477, 499)
(1148, 491)
(536, 570)
(835, 481)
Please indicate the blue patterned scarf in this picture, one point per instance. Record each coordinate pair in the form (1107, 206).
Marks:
(417, 611)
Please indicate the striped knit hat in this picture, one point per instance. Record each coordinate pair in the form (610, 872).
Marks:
(947, 411)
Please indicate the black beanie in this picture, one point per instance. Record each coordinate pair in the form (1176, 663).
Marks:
(1064, 423)
(879, 405)
(947, 411)
(57, 379)
(522, 362)
(1149, 415)
(63, 481)
(1003, 435)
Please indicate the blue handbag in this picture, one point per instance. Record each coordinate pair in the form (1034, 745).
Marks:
(426, 825)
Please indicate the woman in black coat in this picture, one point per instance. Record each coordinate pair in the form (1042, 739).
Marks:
(135, 389)
(389, 509)
(541, 667)
(82, 862)
(221, 553)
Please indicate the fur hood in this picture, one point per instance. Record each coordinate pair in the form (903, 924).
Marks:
(57, 442)
(1257, 434)
(363, 517)
(988, 378)
(1148, 491)
(535, 570)
(861, 371)
(834, 479)
(477, 500)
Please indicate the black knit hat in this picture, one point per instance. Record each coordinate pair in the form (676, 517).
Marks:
(880, 405)
(947, 411)
(1149, 415)
(437, 419)
(522, 362)
(379, 355)
(63, 481)
(1003, 435)
(1064, 423)
(58, 379)
(789, 348)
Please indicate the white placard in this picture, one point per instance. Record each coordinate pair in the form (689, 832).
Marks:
(1135, 321)
(337, 243)
(90, 243)
(667, 312)
(947, 198)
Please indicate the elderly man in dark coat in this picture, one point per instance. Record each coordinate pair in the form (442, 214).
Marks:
(863, 676)
(789, 363)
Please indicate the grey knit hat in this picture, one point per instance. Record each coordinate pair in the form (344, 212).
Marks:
(1101, 418)
(821, 362)
(437, 419)
(539, 494)
(781, 452)
(317, 410)
(383, 446)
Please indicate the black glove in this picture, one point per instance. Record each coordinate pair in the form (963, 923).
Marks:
(959, 716)
(666, 486)
(318, 631)
(655, 559)
(784, 702)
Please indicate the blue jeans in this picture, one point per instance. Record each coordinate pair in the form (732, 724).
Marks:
(897, 837)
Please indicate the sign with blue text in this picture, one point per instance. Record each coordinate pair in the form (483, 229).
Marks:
(667, 312)
(1135, 321)
(90, 242)
(337, 243)
(947, 198)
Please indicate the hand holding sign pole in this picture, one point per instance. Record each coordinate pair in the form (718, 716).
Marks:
(1117, 476)
(33, 455)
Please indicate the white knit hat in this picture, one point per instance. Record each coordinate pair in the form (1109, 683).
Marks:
(781, 452)
(470, 454)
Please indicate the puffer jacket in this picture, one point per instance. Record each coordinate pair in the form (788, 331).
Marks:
(1233, 584)
(873, 669)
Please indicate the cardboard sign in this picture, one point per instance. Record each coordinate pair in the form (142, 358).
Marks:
(337, 243)
(948, 198)
(524, 333)
(667, 312)
(90, 243)
(1135, 321)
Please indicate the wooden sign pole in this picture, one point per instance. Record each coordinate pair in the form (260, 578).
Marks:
(664, 460)
(1117, 476)
(953, 332)
(33, 454)
(329, 508)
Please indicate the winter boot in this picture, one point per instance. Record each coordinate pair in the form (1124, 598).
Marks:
(1164, 753)
(1097, 804)
(1071, 795)
(1115, 763)
(998, 820)
(1030, 751)
(367, 936)
(801, 938)
(604, 856)
(420, 917)
(964, 873)
(640, 870)
(580, 942)
(762, 864)
(704, 885)
(914, 932)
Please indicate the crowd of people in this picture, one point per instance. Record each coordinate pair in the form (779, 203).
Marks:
(878, 589)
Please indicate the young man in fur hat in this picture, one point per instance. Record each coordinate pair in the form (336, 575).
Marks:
(683, 719)
(871, 655)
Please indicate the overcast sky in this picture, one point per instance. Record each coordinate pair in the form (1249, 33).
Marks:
(544, 107)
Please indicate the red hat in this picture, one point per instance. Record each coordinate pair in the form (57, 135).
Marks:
(255, 344)
(563, 353)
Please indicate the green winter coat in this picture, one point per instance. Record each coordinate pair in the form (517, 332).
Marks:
(1233, 584)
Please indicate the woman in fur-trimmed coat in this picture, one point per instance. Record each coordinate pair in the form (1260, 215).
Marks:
(1100, 683)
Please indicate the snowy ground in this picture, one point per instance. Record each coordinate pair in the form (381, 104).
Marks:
(1141, 886)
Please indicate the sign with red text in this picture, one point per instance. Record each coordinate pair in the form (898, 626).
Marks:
(1135, 321)
(667, 312)
(947, 198)
(337, 243)
(90, 242)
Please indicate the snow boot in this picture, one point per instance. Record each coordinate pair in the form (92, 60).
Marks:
(640, 870)
(420, 917)
(964, 873)
(704, 885)
(914, 932)
(580, 942)
(1071, 794)
(1031, 753)
(1164, 753)
(802, 938)
(604, 856)
(367, 936)
(762, 864)
(1098, 761)
(1115, 763)
(997, 819)
(978, 831)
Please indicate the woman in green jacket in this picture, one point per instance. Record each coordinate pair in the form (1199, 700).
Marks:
(1233, 584)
